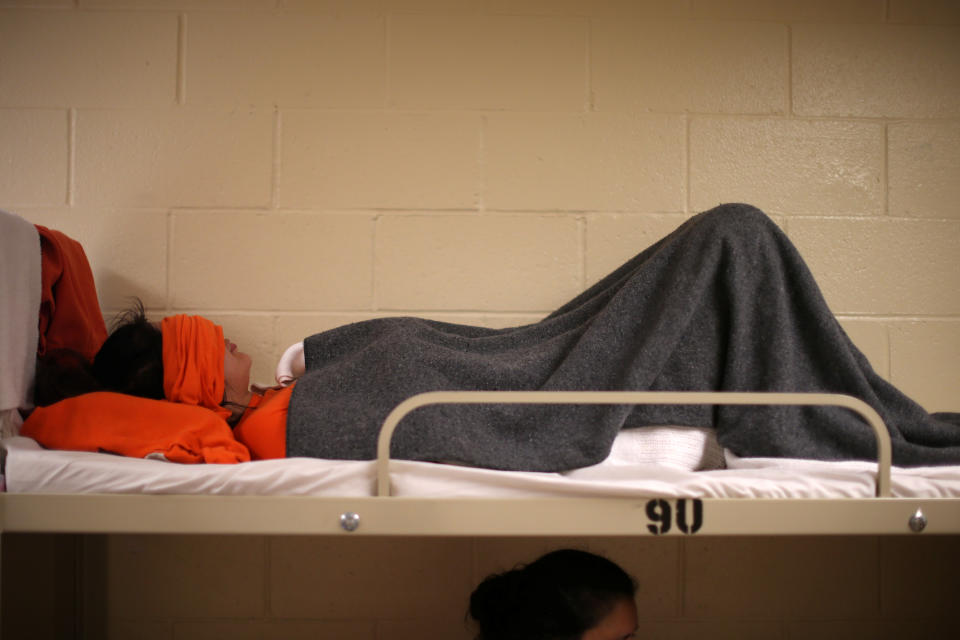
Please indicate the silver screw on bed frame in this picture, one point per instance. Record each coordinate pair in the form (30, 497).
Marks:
(349, 521)
(918, 522)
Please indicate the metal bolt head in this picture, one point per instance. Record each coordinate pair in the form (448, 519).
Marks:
(349, 521)
(918, 522)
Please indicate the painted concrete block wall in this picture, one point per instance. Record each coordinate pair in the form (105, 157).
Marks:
(285, 166)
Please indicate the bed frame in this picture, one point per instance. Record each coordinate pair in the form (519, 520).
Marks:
(386, 515)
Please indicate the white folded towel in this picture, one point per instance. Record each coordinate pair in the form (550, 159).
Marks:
(291, 365)
(688, 448)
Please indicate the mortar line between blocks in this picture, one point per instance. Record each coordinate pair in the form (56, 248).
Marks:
(582, 222)
(276, 160)
(387, 67)
(687, 200)
(588, 69)
(374, 293)
(885, 169)
(789, 96)
(168, 285)
(483, 178)
(888, 344)
(181, 88)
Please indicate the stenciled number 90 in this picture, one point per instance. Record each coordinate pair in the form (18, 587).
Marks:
(687, 513)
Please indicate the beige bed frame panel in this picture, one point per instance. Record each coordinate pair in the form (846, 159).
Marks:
(379, 516)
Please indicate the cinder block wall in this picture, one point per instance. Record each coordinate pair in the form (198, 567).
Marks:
(285, 166)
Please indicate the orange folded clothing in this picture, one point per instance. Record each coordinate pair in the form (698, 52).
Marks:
(136, 427)
(69, 310)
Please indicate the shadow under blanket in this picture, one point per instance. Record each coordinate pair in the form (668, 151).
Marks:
(723, 303)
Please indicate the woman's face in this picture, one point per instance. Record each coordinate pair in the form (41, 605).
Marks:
(236, 372)
(619, 624)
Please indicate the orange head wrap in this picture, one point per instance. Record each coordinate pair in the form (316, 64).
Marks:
(193, 352)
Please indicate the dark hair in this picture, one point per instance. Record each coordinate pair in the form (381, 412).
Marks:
(131, 359)
(557, 597)
(62, 373)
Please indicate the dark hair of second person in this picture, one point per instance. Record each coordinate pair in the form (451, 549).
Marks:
(566, 594)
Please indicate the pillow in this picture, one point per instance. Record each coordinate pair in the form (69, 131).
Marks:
(137, 427)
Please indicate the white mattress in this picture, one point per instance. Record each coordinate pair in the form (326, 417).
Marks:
(31, 469)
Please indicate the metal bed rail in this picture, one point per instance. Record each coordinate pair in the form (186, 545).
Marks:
(635, 397)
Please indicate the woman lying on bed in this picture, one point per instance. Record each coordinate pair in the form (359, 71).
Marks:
(724, 303)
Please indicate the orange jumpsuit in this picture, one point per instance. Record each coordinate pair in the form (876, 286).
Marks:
(263, 425)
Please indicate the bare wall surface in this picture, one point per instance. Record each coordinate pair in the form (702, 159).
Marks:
(288, 588)
(285, 166)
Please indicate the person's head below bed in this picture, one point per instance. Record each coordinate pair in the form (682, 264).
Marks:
(566, 594)
(182, 359)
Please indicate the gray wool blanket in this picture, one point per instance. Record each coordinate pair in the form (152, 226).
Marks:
(723, 303)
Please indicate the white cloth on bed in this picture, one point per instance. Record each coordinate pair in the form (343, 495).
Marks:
(32, 469)
(19, 308)
(687, 448)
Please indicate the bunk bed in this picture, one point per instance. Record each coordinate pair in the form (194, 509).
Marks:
(84, 492)
(400, 497)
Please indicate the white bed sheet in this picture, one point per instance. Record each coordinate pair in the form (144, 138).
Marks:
(31, 469)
